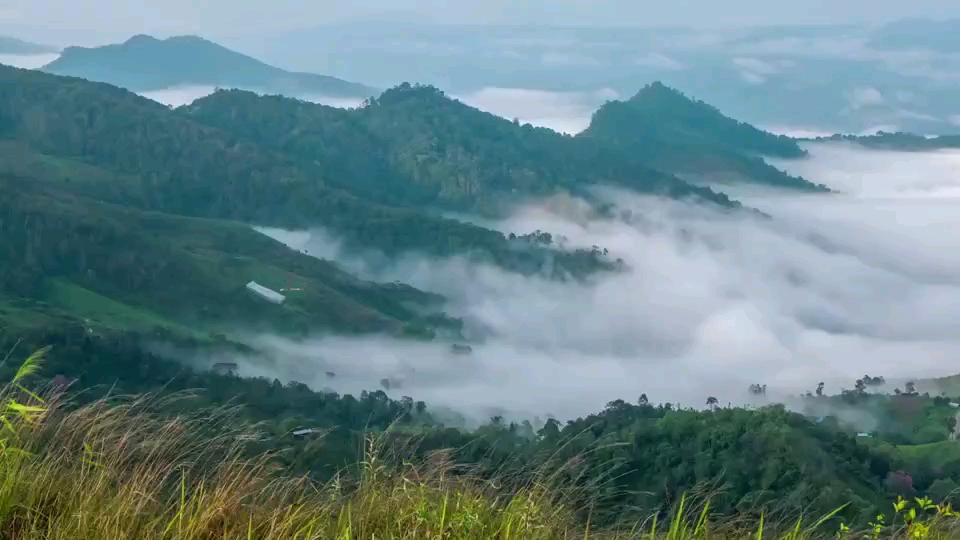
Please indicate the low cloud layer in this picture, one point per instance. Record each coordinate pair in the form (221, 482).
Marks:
(566, 112)
(834, 287)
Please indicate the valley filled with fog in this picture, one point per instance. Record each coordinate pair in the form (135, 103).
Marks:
(866, 280)
(863, 281)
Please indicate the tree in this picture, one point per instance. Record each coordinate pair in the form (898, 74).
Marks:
(819, 389)
(643, 400)
(712, 402)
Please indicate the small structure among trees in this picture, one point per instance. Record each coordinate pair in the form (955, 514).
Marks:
(264, 293)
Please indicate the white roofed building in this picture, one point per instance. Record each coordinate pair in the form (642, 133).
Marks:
(269, 295)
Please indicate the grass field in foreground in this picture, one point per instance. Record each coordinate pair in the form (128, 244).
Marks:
(125, 471)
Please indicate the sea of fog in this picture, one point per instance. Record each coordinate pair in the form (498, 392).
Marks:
(866, 281)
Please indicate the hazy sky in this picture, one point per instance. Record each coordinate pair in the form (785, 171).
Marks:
(66, 21)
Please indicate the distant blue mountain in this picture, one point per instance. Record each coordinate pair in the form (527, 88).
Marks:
(144, 63)
(9, 45)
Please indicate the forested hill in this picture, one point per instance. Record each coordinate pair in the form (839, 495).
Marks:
(110, 144)
(145, 63)
(673, 117)
(676, 134)
(415, 146)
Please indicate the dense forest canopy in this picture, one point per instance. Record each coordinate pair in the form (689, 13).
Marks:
(415, 146)
(109, 144)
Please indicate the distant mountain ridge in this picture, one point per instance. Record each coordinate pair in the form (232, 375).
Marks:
(144, 63)
(10, 45)
(899, 141)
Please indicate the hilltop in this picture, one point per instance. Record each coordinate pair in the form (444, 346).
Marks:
(676, 134)
(144, 63)
(415, 146)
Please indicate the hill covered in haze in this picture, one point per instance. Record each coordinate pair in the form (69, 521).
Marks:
(678, 135)
(144, 63)
(9, 45)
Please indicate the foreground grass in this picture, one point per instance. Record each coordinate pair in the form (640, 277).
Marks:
(124, 471)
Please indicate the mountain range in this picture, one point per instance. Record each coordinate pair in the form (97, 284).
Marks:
(782, 77)
(125, 212)
(144, 63)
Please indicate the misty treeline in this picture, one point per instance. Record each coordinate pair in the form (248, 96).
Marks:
(626, 460)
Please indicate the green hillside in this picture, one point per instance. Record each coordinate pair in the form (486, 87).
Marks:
(122, 268)
(112, 145)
